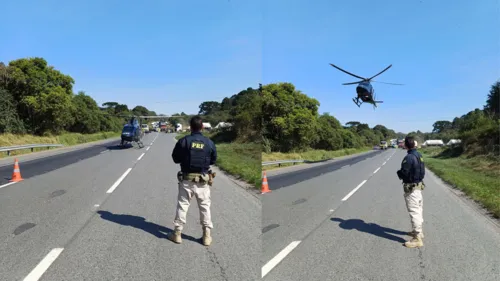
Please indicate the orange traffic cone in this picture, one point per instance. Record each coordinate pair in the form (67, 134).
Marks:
(16, 175)
(265, 186)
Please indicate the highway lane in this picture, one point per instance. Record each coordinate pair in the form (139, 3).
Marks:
(111, 221)
(39, 166)
(360, 237)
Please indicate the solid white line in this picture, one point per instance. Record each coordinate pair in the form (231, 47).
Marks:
(376, 170)
(140, 156)
(278, 258)
(147, 148)
(44, 264)
(7, 184)
(119, 181)
(384, 163)
(354, 190)
(104, 151)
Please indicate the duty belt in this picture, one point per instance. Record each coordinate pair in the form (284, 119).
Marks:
(197, 177)
(409, 187)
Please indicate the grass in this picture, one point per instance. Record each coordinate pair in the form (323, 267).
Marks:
(241, 160)
(311, 155)
(478, 177)
(67, 139)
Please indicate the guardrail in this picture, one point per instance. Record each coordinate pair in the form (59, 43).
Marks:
(8, 149)
(279, 162)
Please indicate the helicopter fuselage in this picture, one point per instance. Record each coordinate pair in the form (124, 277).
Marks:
(365, 91)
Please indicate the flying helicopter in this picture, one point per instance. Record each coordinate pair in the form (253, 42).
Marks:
(365, 90)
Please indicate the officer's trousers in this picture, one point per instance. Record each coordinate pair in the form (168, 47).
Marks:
(414, 204)
(188, 189)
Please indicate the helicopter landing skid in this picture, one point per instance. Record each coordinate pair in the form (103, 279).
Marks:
(356, 102)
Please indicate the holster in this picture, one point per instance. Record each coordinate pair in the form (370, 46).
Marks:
(211, 176)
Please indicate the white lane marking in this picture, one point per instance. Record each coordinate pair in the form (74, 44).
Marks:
(279, 257)
(112, 188)
(354, 190)
(384, 163)
(96, 205)
(147, 148)
(104, 151)
(376, 170)
(151, 143)
(344, 166)
(141, 156)
(44, 264)
(7, 184)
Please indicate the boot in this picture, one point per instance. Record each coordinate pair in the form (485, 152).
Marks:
(415, 242)
(206, 239)
(175, 236)
(412, 233)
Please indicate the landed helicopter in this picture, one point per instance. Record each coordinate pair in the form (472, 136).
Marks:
(365, 90)
(133, 131)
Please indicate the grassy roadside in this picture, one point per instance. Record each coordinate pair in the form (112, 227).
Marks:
(68, 139)
(478, 177)
(311, 155)
(241, 160)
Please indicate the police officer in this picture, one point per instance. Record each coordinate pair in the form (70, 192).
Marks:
(195, 153)
(412, 173)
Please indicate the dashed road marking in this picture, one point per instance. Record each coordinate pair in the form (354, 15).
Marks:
(44, 264)
(376, 170)
(140, 156)
(112, 188)
(384, 163)
(354, 190)
(147, 148)
(7, 184)
(279, 257)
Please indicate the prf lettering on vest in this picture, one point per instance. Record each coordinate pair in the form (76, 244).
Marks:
(197, 145)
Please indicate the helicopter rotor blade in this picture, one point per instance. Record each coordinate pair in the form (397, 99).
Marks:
(387, 83)
(348, 72)
(380, 72)
(352, 83)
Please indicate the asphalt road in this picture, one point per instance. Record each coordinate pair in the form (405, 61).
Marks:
(350, 224)
(102, 213)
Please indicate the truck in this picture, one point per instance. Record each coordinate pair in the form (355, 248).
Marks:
(383, 145)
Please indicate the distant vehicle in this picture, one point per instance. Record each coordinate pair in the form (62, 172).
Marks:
(383, 145)
(145, 128)
(365, 90)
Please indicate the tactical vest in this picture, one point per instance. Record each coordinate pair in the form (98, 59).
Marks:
(199, 152)
(417, 173)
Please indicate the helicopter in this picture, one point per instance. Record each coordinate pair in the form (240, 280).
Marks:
(365, 90)
(132, 131)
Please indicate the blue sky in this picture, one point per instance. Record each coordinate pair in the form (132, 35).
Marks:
(447, 53)
(171, 55)
(166, 55)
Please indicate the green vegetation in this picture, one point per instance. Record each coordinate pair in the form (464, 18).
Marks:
(39, 106)
(293, 128)
(472, 166)
(238, 145)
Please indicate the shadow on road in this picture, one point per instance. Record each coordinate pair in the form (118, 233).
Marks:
(141, 223)
(371, 228)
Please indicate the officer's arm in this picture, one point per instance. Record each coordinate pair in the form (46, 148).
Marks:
(213, 154)
(178, 149)
(406, 167)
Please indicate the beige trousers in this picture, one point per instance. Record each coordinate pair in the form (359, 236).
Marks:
(414, 204)
(202, 193)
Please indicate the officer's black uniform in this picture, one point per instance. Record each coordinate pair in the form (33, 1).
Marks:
(412, 168)
(195, 153)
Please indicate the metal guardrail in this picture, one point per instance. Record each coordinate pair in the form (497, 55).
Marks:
(279, 162)
(8, 149)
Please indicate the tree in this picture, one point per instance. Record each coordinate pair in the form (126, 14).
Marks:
(493, 101)
(209, 107)
(441, 126)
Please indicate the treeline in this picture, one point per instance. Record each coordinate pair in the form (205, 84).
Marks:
(38, 99)
(479, 129)
(291, 122)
